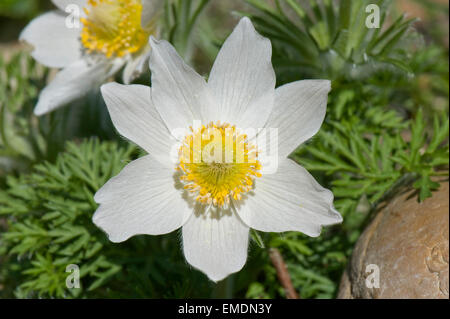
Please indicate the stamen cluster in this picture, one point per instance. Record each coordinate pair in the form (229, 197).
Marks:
(218, 164)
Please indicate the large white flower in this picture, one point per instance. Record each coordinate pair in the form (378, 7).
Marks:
(215, 203)
(108, 35)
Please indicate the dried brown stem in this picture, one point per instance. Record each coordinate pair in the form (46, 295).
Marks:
(283, 274)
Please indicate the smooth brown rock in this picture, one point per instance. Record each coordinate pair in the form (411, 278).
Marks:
(409, 242)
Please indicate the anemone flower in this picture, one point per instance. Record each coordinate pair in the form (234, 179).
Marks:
(214, 201)
(90, 43)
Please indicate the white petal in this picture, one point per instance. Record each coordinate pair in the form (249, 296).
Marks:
(242, 78)
(298, 113)
(179, 93)
(142, 199)
(150, 9)
(136, 118)
(72, 83)
(136, 66)
(55, 45)
(289, 200)
(215, 243)
(63, 4)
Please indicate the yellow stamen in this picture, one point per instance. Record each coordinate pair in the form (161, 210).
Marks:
(218, 164)
(113, 27)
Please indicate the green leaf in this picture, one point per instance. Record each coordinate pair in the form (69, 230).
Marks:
(425, 185)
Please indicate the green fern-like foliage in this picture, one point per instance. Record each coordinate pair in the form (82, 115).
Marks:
(325, 39)
(314, 264)
(49, 221)
(370, 166)
(49, 227)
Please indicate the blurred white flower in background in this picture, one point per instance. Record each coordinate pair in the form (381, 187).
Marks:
(110, 35)
(215, 202)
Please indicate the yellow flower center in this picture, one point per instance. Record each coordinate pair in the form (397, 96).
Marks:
(217, 164)
(113, 27)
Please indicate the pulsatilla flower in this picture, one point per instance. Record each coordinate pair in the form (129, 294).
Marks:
(91, 42)
(218, 187)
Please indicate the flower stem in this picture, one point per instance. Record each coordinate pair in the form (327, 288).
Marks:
(283, 274)
(224, 289)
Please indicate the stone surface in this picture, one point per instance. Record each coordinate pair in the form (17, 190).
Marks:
(409, 242)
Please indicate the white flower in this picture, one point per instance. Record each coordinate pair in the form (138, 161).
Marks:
(108, 35)
(215, 204)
